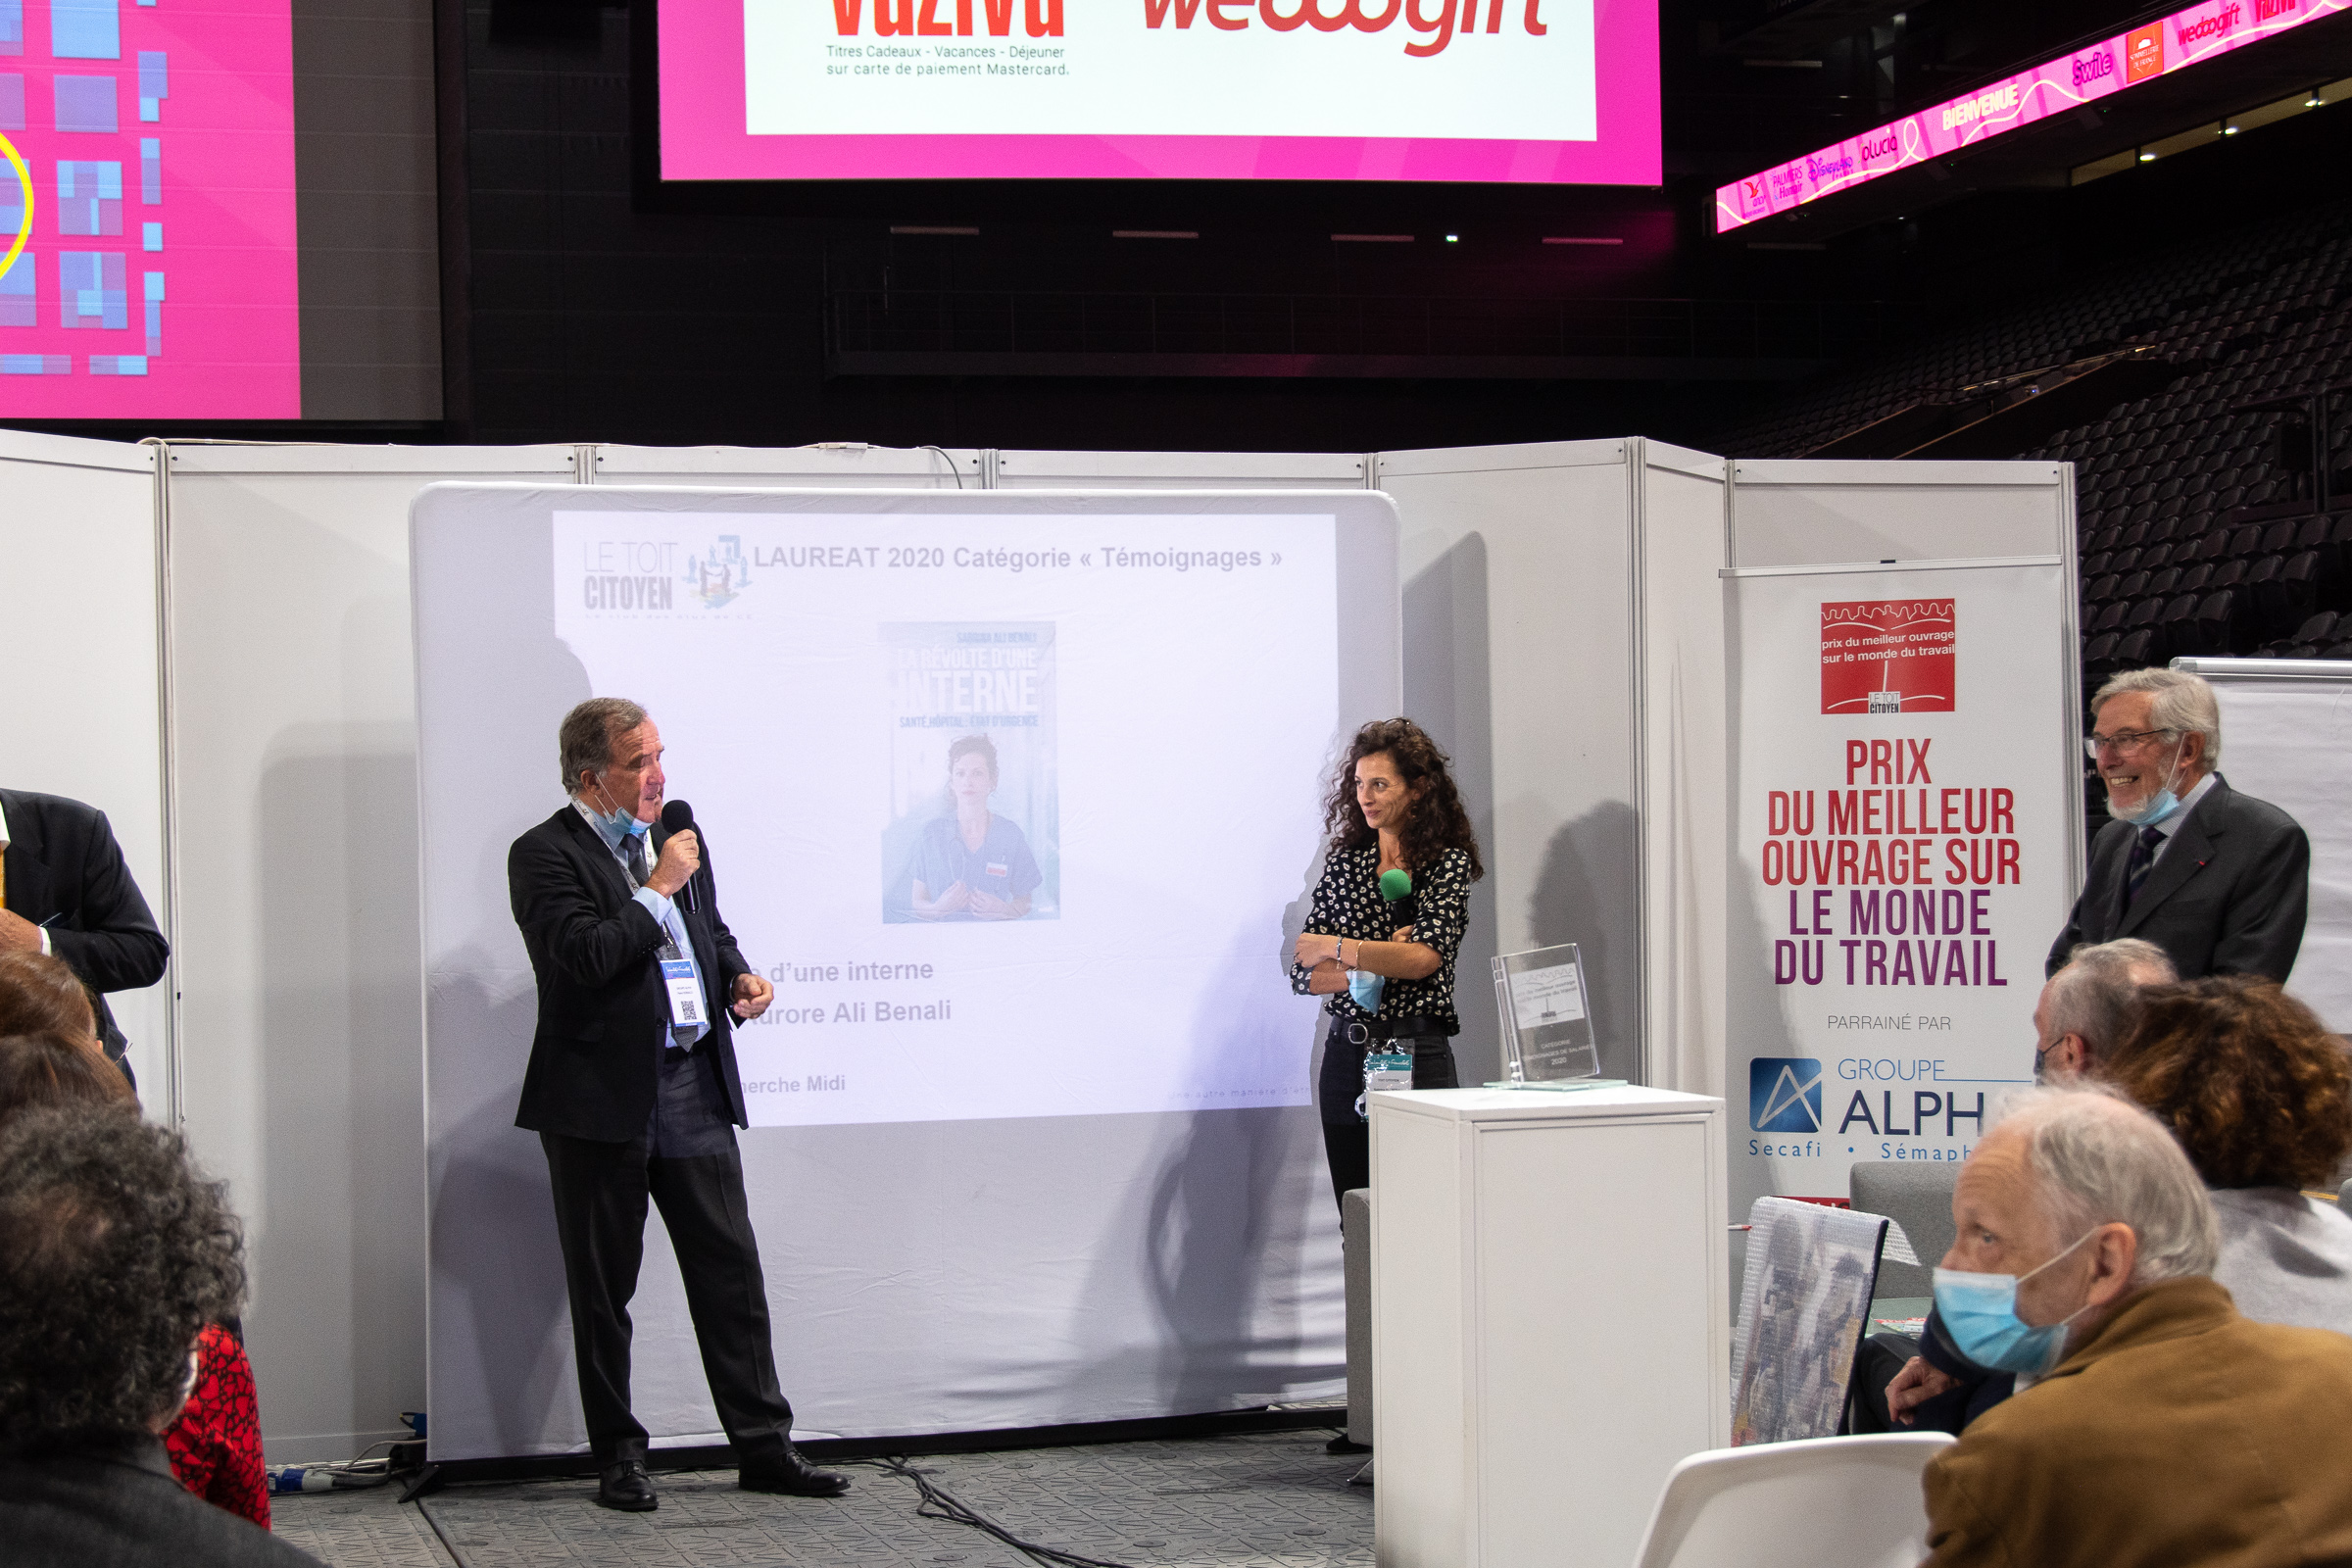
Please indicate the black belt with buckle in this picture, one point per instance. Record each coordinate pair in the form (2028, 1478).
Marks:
(1364, 1032)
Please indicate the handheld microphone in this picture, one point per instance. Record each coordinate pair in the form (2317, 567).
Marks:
(678, 817)
(1397, 886)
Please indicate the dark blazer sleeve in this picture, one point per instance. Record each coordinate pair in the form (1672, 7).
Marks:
(118, 946)
(2261, 932)
(2093, 919)
(731, 961)
(553, 908)
(2068, 938)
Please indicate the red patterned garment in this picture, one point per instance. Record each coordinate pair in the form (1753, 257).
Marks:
(216, 1445)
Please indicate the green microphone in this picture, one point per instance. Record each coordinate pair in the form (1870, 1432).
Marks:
(1395, 885)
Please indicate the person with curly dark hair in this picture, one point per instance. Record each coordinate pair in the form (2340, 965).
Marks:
(2259, 1095)
(216, 1445)
(115, 1254)
(1392, 807)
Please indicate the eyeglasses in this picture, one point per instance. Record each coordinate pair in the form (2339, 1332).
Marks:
(2129, 739)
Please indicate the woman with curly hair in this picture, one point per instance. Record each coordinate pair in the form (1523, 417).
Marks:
(1392, 807)
(2260, 1095)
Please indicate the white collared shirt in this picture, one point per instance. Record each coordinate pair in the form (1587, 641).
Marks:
(3, 846)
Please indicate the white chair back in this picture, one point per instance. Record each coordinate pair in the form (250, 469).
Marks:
(1823, 1502)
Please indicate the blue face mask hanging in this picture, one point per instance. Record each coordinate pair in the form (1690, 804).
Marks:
(615, 825)
(2157, 806)
(1980, 1312)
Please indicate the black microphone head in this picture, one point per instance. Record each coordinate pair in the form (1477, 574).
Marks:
(676, 818)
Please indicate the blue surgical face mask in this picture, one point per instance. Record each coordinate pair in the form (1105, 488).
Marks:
(2159, 806)
(615, 823)
(1364, 989)
(1980, 1312)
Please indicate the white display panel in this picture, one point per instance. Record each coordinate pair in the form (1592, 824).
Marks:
(811, 675)
(1024, 1259)
(2284, 726)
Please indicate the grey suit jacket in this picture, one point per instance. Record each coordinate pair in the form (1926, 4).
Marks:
(2228, 896)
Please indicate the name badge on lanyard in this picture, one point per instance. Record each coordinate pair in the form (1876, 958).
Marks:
(685, 997)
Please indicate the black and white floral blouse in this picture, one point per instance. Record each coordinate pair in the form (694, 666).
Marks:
(1348, 903)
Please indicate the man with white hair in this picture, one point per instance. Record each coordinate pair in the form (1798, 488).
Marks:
(2086, 1008)
(2161, 1427)
(2086, 1011)
(2216, 879)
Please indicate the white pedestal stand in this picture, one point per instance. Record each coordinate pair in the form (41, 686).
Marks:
(1551, 1318)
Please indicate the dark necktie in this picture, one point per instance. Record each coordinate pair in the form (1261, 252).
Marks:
(2143, 856)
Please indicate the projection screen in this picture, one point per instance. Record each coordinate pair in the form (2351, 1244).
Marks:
(1060, 1167)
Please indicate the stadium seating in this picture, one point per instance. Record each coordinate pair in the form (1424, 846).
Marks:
(2203, 526)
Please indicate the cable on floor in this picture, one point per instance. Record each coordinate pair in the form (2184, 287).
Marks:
(939, 1504)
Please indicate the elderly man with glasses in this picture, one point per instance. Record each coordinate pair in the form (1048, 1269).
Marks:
(2215, 878)
(2153, 1424)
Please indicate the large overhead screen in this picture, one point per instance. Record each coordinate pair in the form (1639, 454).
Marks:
(2173, 43)
(217, 210)
(1562, 92)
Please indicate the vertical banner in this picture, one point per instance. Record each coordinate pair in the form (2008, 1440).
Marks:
(1903, 770)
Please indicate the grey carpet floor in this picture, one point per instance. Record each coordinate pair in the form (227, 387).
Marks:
(1256, 1501)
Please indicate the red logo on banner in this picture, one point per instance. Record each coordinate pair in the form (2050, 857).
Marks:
(1888, 655)
(2144, 53)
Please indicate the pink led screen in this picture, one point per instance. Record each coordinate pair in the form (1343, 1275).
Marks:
(159, 277)
(1562, 92)
(2175, 43)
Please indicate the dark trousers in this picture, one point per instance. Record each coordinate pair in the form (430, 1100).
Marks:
(601, 1191)
(1347, 1136)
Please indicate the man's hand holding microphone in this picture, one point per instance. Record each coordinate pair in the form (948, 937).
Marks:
(681, 857)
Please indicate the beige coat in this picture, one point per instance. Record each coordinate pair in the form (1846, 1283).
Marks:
(2179, 1434)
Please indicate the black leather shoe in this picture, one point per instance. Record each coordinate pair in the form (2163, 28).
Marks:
(793, 1476)
(625, 1485)
(1343, 1444)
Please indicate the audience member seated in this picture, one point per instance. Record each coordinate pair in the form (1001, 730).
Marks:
(39, 995)
(2260, 1097)
(216, 1445)
(2087, 1008)
(55, 1069)
(2086, 1011)
(114, 1257)
(2155, 1424)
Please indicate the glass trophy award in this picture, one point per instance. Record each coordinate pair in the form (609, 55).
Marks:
(1546, 1020)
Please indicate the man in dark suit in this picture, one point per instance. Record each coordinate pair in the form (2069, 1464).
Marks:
(633, 1091)
(66, 890)
(2216, 879)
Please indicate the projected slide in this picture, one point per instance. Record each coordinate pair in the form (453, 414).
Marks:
(1009, 809)
(1504, 90)
(151, 197)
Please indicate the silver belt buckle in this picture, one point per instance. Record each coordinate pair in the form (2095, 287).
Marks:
(1359, 1034)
